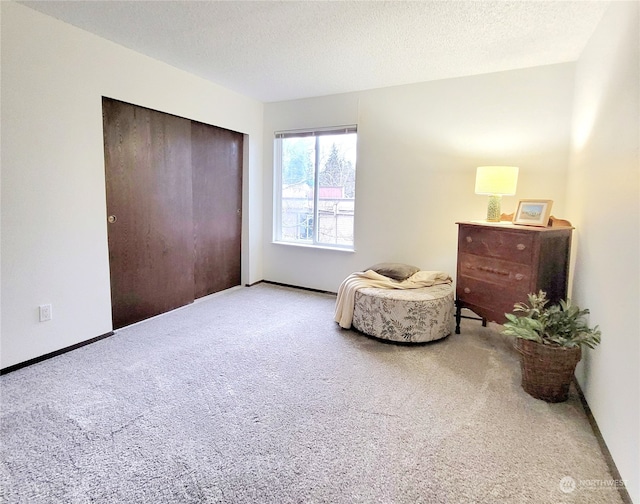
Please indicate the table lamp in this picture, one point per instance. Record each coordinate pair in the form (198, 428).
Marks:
(496, 181)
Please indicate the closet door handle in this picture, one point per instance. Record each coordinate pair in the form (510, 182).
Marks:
(111, 219)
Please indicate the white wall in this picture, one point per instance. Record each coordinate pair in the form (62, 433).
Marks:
(604, 204)
(418, 149)
(54, 236)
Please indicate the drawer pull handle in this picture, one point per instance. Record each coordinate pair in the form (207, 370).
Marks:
(519, 276)
(469, 239)
(521, 246)
(467, 290)
(495, 271)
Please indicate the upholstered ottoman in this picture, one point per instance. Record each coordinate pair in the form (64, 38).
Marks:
(405, 315)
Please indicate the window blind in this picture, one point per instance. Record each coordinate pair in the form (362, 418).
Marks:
(316, 132)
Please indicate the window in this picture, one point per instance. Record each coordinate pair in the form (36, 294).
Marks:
(315, 173)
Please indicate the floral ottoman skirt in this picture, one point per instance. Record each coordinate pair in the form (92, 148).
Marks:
(407, 316)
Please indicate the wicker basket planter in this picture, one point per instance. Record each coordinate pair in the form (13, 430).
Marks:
(547, 371)
(549, 339)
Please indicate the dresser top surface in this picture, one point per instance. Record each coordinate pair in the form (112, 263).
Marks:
(506, 225)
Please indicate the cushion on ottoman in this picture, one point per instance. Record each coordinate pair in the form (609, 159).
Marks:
(396, 271)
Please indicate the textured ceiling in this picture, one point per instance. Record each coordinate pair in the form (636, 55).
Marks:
(282, 50)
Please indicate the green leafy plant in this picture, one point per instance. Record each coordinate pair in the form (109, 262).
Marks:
(562, 324)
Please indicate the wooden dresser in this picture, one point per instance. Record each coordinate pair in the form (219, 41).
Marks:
(500, 263)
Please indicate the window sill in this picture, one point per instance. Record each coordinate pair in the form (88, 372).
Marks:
(311, 246)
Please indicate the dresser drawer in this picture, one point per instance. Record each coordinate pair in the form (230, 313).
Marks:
(507, 274)
(485, 295)
(511, 246)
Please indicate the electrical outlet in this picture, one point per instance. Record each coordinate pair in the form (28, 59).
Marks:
(45, 312)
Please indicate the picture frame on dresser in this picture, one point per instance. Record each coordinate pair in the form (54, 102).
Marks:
(533, 212)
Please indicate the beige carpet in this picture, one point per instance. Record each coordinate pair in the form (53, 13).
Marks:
(257, 396)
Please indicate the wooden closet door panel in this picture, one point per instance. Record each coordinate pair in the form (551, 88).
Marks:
(217, 207)
(148, 181)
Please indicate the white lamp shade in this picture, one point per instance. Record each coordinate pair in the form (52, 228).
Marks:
(496, 180)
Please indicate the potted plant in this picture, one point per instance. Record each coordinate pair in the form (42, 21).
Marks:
(549, 339)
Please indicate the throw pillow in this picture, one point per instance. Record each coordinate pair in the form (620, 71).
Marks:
(396, 271)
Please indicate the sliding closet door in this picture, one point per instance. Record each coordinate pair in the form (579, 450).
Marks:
(217, 207)
(149, 208)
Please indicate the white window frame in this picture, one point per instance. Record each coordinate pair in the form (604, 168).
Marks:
(277, 193)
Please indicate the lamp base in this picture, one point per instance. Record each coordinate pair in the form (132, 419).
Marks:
(493, 209)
